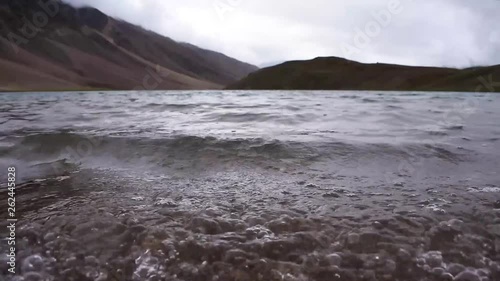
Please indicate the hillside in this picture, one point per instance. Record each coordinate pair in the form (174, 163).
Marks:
(331, 73)
(82, 48)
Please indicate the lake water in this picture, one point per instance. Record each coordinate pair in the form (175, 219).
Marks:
(253, 185)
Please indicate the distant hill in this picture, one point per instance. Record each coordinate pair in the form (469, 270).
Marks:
(82, 48)
(270, 63)
(331, 73)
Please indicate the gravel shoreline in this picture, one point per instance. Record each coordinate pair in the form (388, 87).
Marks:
(123, 231)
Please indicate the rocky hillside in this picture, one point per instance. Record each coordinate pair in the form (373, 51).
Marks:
(50, 45)
(331, 73)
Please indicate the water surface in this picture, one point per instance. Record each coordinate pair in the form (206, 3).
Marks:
(254, 185)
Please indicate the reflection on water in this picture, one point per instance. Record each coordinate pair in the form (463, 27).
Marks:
(253, 185)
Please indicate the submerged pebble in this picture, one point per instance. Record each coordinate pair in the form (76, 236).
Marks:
(404, 255)
(334, 259)
(33, 276)
(433, 258)
(32, 263)
(467, 276)
(390, 266)
(446, 277)
(438, 271)
(455, 268)
(353, 238)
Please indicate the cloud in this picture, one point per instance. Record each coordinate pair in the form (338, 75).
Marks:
(456, 33)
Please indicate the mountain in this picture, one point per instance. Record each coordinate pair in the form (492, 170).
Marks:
(50, 45)
(270, 63)
(331, 73)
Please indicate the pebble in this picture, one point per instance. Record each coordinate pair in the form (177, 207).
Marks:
(495, 267)
(91, 260)
(33, 276)
(334, 259)
(455, 268)
(258, 231)
(404, 255)
(369, 275)
(276, 275)
(138, 228)
(331, 195)
(433, 258)
(446, 277)
(49, 237)
(483, 272)
(235, 255)
(438, 271)
(32, 263)
(71, 261)
(353, 238)
(390, 266)
(496, 205)
(205, 225)
(467, 276)
(456, 225)
(420, 262)
(165, 202)
(370, 238)
(102, 277)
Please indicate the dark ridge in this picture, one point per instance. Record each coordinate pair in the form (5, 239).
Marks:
(93, 18)
(331, 73)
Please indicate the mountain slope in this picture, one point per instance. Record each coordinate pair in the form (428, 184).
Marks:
(331, 73)
(84, 48)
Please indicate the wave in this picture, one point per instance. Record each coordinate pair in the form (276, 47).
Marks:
(44, 153)
(437, 133)
(171, 105)
(64, 144)
(50, 143)
(455, 128)
(185, 146)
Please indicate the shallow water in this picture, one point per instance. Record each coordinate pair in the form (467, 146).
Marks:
(242, 185)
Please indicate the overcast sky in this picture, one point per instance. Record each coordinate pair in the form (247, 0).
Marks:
(457, 33)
